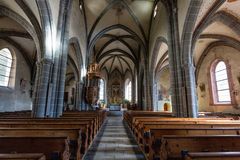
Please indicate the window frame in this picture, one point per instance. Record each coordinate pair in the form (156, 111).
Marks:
(127, 93)
(213, 84)
(103, 82)
(155, 11)
(11, 67)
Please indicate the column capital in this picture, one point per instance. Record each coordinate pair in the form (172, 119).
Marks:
(188, 66)
(44, 61)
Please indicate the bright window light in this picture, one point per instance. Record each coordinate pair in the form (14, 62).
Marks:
(5, 66)
(155, 11)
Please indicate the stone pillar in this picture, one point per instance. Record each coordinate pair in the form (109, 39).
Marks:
(60, 59)
(63, 28)
(76, 100)
(133, 90)
(140, 90)
(35, 88)
(79, 87)
(155, 96)
(84, 105)
(191, 93)
(191, 109)
(178, 91)
(147, 90)
(42, 88)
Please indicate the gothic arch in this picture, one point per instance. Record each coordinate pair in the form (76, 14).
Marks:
(152, 70)
(47, 28)
(188, 29)
(221, 16)
(74, 41)
(158, 43)
(211, 46)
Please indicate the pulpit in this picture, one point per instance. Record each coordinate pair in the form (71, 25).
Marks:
(92, 89)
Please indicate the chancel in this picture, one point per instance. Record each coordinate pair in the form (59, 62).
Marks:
(120, 79)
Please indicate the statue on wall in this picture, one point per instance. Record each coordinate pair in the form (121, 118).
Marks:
(115, 93)
(23, 85)
(115, 90)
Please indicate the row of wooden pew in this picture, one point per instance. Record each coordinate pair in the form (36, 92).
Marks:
(164, 137)
(67, 137)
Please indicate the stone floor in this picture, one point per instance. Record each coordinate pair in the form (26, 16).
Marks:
(114, 142)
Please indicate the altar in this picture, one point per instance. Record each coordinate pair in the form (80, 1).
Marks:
(115, 108)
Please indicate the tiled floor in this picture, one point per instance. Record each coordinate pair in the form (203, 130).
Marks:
(114, 142)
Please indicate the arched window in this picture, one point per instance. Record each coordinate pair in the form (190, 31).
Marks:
(101, 90)
(128, 91)
(5, 66)
(155, 11)
(220, 83)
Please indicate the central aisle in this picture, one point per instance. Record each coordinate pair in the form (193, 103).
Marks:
(114, 142)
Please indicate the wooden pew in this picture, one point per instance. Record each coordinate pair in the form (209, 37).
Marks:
(101, 115)
(128, 115)
(211, 155)
(154, 131)
(87, 122)
(178, 124)
(144, 127)
(82, 127)
(52, 124)
(93, 119)
(52, 147)
(23, 156)
(83, 123)
(92, 128)
(151, 129)
(172, 146)
(140, 120)
(73, 136)
(156, 135)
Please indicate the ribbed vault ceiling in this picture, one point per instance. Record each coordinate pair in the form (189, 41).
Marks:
(116, 30)
(220, 29)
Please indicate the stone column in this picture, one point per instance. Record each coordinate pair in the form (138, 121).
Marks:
(42, 87)
(79, 87)
(155, 96)
(83, 91)
(147, 89)
(190, 83)
(140, 90)
(191, 109)
(133, 90)
(178, 91)
(60, 58)
(35, 88)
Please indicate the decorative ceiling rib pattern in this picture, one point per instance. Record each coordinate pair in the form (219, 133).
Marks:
(220, 28)
(116, 31)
